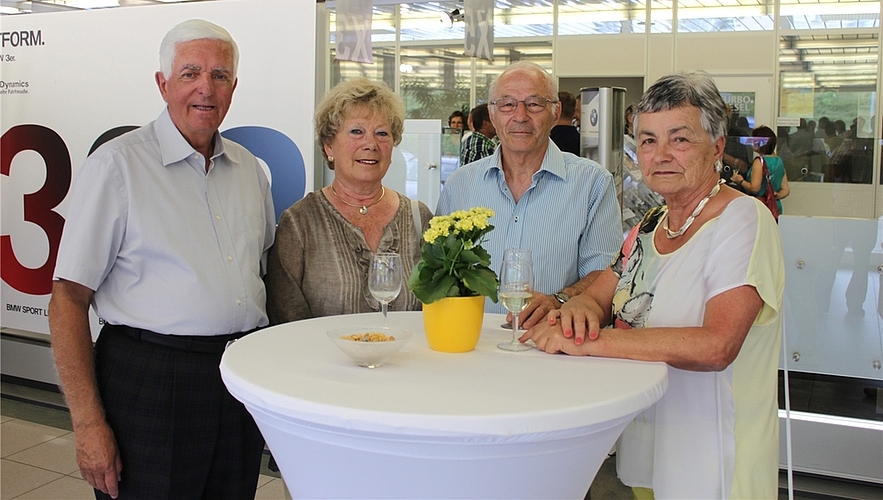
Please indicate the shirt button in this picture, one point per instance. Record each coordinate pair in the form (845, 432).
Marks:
(229, 257)
(217, 217)
(239, 302)
(516, 218)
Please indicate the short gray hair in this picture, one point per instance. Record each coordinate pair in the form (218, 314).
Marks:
(687, 89)
(187, 31)
(530, 68)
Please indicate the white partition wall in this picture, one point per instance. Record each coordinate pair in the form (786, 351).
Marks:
(70, 77)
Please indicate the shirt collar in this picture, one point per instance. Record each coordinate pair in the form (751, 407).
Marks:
(553, 162)
(172, 144)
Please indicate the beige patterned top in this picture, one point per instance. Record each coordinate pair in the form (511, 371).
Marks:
(318, 265)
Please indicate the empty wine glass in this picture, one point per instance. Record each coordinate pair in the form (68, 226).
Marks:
(516, 282)
(385, 278)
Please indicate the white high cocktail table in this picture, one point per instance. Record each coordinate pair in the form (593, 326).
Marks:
(482, 424)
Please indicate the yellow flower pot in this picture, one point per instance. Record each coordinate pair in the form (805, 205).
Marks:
(453, 324)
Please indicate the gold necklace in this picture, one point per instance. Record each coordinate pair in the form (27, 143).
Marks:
(363, 209)
(674, 234)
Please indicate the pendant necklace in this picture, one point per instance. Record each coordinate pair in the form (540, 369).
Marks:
(674, 234)
(363, 209)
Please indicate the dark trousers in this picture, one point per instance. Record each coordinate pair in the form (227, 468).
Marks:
(180, 433)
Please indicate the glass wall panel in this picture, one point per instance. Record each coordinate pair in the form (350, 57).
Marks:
(661, 16)
(829, 14)
(383, 26)
(423, 21)
(593, 17)
(434, 81)
(521, 18)
(828, 87)
(384, 67)
(695, 16)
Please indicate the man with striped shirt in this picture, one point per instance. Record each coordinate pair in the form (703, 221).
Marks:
(561, 207)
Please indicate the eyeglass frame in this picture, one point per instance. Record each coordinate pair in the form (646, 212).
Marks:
(523, 101)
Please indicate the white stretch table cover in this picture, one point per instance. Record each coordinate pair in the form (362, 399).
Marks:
(482, 424)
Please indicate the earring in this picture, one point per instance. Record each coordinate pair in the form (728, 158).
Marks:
(718, 166)
(330, 159)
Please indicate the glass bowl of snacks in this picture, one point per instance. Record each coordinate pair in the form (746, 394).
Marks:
(369, 347)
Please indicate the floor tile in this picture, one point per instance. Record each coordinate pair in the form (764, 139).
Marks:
(57, 455)
(263, 479)
(16, 478)
(65, 488)
(20, 435)
(272, 490)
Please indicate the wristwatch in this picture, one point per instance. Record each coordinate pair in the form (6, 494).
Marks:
(561, 297)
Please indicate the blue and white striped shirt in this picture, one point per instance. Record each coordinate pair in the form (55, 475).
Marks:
(569, 217)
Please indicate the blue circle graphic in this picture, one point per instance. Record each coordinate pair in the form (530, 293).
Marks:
(282, 156)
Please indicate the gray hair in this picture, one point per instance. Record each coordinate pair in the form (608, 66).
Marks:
(187, 31)
(530, 68)
(687, 89)
(336, 105)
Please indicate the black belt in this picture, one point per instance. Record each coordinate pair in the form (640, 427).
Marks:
(208, 344)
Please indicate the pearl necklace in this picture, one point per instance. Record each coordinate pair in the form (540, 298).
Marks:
(674, 234)
(363, 209)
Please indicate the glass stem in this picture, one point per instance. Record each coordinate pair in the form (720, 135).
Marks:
(383, 307)
(514, 328)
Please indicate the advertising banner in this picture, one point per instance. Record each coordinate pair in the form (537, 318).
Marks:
(479, 19)
(71, 80)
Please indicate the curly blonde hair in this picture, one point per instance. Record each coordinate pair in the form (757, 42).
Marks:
(337, 104)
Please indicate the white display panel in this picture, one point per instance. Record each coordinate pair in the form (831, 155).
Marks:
(833, 303)
(67, 78)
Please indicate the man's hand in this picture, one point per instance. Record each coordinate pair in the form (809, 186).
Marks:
(533, 314)
(97, 452)
(99, 458)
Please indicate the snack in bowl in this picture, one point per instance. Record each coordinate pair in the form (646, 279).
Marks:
(369, 346)
(369, 337)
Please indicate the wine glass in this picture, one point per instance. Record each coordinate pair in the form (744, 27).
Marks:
(385, 278)
(515, 254)
(516, 282)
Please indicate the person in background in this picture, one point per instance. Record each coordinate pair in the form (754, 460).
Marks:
(577, 112)
(319, 263)
(629, 120)
(698, 285)
(737, 155)
(457, 120)
(166, 236)
(564, 134)
(480, 143)
(753, 182)
(530, 185)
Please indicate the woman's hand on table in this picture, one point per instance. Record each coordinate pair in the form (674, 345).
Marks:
(565, 330)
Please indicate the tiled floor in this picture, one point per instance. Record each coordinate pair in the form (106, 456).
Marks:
(38, 460)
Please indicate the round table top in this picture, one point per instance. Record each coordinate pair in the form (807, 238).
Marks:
(294, 371)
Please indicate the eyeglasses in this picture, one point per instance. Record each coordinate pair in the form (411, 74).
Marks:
(533, 104)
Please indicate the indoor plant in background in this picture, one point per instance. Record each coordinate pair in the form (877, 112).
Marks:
(453, 277)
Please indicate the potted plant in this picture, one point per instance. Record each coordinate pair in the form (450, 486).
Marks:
(452, 278)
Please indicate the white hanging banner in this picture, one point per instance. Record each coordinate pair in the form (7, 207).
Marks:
(354, 31)
(479, 18)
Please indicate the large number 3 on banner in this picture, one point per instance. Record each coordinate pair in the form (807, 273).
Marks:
(39, 206)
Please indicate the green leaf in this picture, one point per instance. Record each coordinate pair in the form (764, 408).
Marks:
(482, 281)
